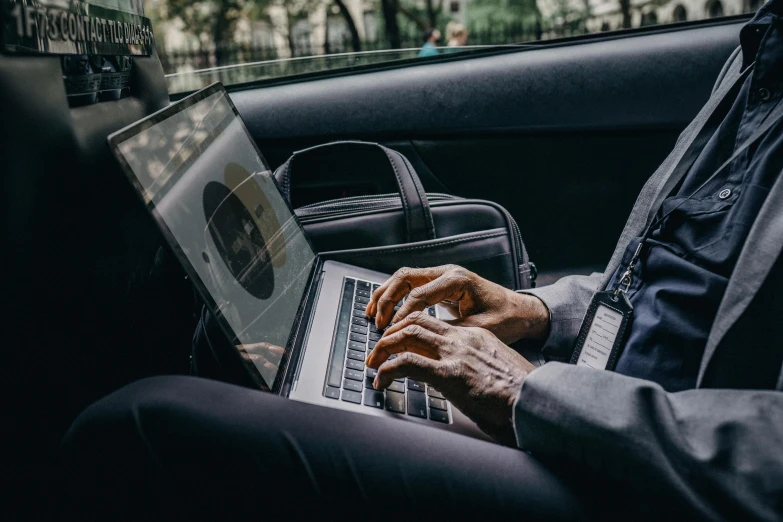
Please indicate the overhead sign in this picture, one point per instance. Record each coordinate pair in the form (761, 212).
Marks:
(29, 26)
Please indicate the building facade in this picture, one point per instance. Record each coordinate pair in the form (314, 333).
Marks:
(580, 16)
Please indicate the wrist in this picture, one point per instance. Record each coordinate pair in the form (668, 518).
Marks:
(532, 317)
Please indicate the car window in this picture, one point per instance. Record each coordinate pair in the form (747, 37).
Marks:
(239, 41)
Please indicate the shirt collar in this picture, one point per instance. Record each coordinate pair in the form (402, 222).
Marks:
(753, 32)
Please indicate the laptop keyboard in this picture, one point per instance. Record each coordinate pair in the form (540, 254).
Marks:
(349, 380)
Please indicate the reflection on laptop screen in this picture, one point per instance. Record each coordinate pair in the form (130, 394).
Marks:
(208, 184)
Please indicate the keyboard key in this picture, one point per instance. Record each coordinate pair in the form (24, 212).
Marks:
(355, 328)
(373, 398)
(371, 372)
(353, 345)
(352, 385)
(359, 338)
(375, 287)
(431, 311)
(356, 356)
(359, 306)
(335, 374)
(368, 383)
(432, 392)
(375, 336)
(364, 285)
(399, 379)
(372, 344)
(359, 313)
(438, 415)
(354, 375)
(438, 404)
(363, 300)
(336, 368)
(397, 387)
(415, 385)
(417, 404)
(332, 392)
(359, 321)
(354, 365)
(362, 293)
(395, 401)
(352, 396)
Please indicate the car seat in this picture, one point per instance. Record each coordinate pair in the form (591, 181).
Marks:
(93, 299)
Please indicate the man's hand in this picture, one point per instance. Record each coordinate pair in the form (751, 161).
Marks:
(472, 299)
(264, 355)
(471, 367)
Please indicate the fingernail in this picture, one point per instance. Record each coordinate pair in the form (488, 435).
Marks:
(375, 383)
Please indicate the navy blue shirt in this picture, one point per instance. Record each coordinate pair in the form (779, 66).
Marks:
(684, 268)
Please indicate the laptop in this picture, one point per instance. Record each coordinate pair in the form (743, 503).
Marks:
(296, 318)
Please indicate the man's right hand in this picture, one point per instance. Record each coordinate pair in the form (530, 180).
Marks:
(474, 301)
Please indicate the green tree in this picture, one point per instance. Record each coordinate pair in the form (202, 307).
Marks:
(494, 13)
(356, 42)
(625, 9)
(213, 19)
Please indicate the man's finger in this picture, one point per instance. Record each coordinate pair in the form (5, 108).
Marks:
(421, 319)
(383, 300)
(264, 347)
(412, 338)
(443, 287)
(258, 360)
(410, 365)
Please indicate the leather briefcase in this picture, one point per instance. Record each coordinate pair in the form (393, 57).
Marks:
(410, 228)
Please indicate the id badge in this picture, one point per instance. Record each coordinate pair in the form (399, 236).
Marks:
(603, 330)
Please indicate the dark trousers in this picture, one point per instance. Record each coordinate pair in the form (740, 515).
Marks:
(184, 448)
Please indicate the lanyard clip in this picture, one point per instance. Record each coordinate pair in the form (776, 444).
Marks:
(624, 284)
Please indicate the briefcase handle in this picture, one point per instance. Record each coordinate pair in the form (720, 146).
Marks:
(418, 218)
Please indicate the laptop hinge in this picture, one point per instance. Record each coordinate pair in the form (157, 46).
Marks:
(303, 326)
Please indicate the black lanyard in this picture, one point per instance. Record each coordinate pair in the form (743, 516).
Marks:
(689, 158)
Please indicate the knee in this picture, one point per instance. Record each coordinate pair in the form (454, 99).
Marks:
(113, 425)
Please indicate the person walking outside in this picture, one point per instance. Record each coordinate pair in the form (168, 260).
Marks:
(456, 34)
(430, 47)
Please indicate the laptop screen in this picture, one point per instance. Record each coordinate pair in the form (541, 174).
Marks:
(198, 170)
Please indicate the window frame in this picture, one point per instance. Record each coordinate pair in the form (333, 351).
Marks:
(474, 53)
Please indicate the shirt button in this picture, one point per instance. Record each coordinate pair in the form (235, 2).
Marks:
(763, 94)
(724, 193)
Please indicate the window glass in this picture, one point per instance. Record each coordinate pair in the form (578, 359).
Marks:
(237, 41)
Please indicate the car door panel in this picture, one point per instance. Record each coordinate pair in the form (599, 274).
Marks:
(563, 136)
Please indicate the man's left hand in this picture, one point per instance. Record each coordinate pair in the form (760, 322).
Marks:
(471, 367)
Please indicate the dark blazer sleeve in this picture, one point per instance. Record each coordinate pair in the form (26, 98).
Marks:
(717, 452)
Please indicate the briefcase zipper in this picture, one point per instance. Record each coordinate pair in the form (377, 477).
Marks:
(335, 207)
(344, 206)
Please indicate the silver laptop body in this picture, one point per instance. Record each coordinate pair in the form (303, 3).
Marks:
(277, 300)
